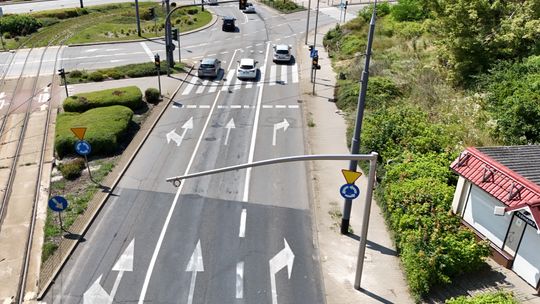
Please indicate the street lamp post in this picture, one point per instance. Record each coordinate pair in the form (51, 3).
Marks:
(355, 146)
(307, 23)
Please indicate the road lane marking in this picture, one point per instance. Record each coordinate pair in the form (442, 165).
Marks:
(201, 87)
(293, 106)
(283, 74)
(147, 50)
(255, 127)
(240, 280)
(213, 87)
(242, 230)
(272, 80)
(204, 107)
(173, 205)
(227, 83)
(188, 89)
(295, 73)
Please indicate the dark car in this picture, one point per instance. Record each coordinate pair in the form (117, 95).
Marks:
(228, 24)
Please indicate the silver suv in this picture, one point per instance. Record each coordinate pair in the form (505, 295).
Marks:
(282, 53)
(209, 67)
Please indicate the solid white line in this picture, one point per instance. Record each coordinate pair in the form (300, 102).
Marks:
(272, 80)
(242, 232)
(173, 206)
(254, 131)
(295, 73)
(240, 280)
(147, 50)
(283, 74)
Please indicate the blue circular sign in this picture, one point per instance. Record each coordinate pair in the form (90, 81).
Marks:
(82, 147)
(349, 191)
(58, 203)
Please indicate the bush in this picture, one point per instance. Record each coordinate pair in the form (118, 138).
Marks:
(19, 25)
(499, 297)
(72, 169)
(105, 128)
(383, 9)
(152, 95)
(62, 14)
(75, 74)
(130, 97)
(96, 76)
(409, 10)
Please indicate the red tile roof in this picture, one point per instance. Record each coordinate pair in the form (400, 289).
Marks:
(507, 186)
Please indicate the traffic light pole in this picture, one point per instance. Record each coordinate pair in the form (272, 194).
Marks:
(355, 145)
(313, 68)
(138, 18)
(307, 23)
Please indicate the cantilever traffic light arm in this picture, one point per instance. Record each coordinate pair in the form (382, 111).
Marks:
(369, 157)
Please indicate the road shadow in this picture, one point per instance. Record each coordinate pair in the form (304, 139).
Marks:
(375, 296)
(374, 246)
(74, 236)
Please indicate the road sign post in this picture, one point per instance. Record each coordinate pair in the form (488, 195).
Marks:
(58, 204)
(82, 147)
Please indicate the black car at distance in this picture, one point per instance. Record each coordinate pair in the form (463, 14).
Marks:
(228, 24)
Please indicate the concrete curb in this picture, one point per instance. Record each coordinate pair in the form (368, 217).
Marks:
(162, 38)
(56, 262)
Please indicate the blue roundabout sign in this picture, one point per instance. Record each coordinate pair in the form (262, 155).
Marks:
(349, 191)
(82, 147)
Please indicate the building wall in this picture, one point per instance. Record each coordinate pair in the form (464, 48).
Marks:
(527, 261)
(479, 213)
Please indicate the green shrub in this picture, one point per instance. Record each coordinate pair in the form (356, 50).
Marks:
(72, 169)
(383, 9)
(62, 14)
(130, 97)
(152, 95)
(96, 76)
(19, 25)
(47, 21)
(114, 74)
(75, 73)
(106, 127)
(409, 10)
(499, 297)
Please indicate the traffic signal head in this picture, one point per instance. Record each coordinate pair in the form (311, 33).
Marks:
(311, 48)
(242, 4)
(174, 33)
(152, 12)
(315, 63)
(156, 60)
(62, 72)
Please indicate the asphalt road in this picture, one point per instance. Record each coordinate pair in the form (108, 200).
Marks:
(238, 237)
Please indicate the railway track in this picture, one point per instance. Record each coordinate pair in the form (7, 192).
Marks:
(24, 138)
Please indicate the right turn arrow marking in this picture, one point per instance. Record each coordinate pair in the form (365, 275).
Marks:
(280, 125)
(283, 258)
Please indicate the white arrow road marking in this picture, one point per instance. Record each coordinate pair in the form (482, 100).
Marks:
(230, 125)
(243, 216)
(45, 96)
(240, 280)
(283, 258)
(124, 263)
(179, 138)
(96, 294)
(175, 137)
(280, 125)
(195, 265)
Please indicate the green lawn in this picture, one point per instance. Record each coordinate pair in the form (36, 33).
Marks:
(115, 22)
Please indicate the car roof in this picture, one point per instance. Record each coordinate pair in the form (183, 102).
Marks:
(282, 47)
(247, 61)
(208, 60)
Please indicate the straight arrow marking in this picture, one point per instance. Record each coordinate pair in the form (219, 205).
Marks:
(283, 258)
(96, 294)
(124, 263)
(230, 125)
(195, 265)
(280, 125)
(172, 135)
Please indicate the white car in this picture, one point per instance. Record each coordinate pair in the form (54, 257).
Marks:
(246, 69)
(282, 53)
(249, 9)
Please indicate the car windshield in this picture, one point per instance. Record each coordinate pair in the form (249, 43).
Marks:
(246, 67)
(228, 22)
(282, 52)
(207, 66)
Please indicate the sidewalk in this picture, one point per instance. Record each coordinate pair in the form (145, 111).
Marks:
(382, 279)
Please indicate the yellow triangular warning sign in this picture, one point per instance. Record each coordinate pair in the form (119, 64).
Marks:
(350, 176)
(79, 132)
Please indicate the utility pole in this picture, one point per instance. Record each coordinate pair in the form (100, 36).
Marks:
(82, 6)
(138, 18)
(355, 146)
(307, 23)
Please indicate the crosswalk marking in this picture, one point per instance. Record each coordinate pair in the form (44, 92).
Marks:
(272, 75)
(188, 89)
(229, 78)
(213, 87)
(201, 88)
(283, 74)
(295, 73)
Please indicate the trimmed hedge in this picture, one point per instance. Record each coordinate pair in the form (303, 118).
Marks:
(152, 95)
(72, 169)
(130, 97)
(105, 128)
(499, 297)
